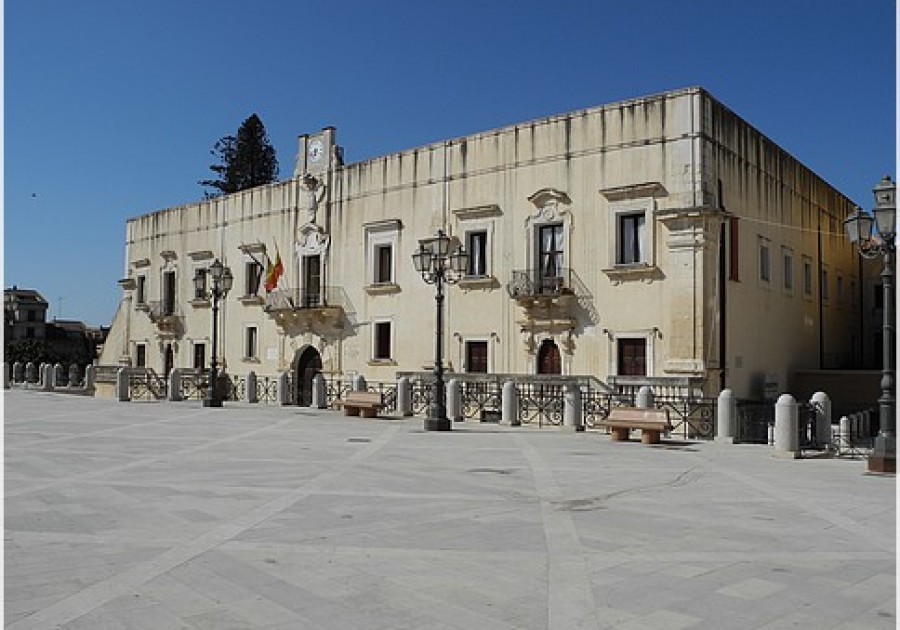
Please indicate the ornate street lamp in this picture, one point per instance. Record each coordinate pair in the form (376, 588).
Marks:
(874, 236)
(220, 284)
(439, 261)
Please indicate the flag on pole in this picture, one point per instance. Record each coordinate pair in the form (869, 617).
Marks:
(274, 272)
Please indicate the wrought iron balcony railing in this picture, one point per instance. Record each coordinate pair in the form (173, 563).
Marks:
(305, 299)
(527, 283)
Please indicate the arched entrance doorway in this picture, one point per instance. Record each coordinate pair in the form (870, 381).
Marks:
(548, 359)
(307, 363)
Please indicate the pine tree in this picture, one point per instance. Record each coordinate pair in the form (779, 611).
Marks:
(245, 161)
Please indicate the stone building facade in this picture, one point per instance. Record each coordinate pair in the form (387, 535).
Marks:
(24, 314)
(663, 237)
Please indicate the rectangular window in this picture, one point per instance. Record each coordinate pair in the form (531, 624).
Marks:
(382, 349)
(168, 296)
(312, 281)
(199, 356)
(788, 257)
(477, 248)
(765, 261)
(382, 243)
(477, 357)
(384, 262)
(807, 277)
(141, 292)
(140, 355)
(250, 345)
(200, 291)
(550, 258)
(631, 239)
(733, 250)
(253, 275)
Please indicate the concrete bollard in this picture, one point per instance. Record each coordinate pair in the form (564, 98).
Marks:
(284, 390)
(510, 405)
(123, 392)
(454, 401)
(73, 375)
(572, 410)
(404, 397)
(250, 393)
(843, 432)
(59, 375)
(645, 397)
(319, 392)
(359, 383)
(175, 385)
(822, 404)
(90, 375)
(31, 373)
(726, 417)
(18, 373)
(49, 379)
(787, 440)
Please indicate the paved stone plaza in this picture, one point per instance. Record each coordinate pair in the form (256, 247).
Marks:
(171, 515)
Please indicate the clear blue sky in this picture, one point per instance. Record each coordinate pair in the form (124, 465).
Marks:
(112, 107)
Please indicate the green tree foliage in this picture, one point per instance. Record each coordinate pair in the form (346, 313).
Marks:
(30, 350)
(245, 161)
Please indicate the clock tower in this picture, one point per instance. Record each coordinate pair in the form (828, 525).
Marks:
(316, 153)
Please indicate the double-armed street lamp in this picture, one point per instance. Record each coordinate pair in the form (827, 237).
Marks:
(439, 260)
(874, 236)
(220, 284)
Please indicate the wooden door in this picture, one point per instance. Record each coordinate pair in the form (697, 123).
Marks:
(549, 359)
(632, 357)
(477, 356)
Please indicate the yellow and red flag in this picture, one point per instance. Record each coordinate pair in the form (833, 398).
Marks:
(274, 272)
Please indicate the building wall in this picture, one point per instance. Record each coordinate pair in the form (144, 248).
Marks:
(785, 323)
(590, 172)
(25, 314)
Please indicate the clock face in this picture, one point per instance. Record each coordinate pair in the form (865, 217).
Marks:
(316, 151)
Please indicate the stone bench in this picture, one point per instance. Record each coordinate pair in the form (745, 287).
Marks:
(363, 404)
(651, 422)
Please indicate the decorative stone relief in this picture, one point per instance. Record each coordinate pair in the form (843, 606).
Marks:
(312, 240)
(547, 201)
(312, 193)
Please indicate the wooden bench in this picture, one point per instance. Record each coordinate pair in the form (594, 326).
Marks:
(363, 404)
(651, 422)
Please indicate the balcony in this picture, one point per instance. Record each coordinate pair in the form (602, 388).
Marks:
(167, 316)
(305, 310)
(550, 302)
(531, 284)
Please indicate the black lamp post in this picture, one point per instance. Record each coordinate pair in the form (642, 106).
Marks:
(221, 281)
(874, 237)
(439, 260)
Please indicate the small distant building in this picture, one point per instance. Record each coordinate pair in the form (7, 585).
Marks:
(25, 314)
(25, 318)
